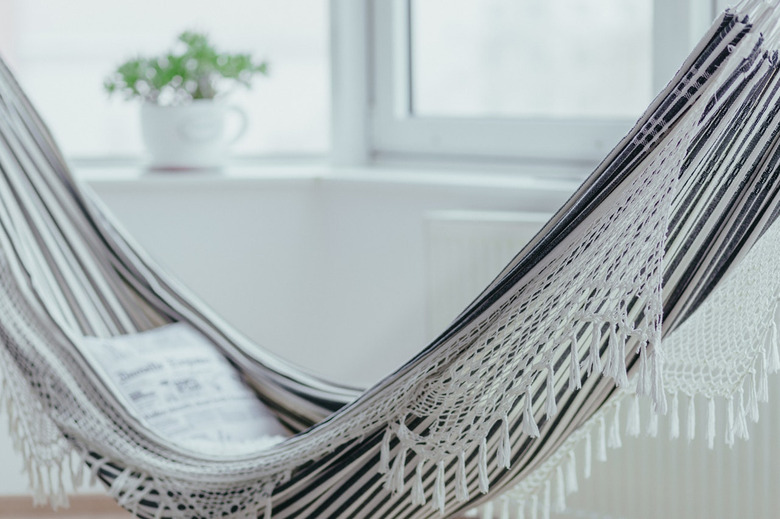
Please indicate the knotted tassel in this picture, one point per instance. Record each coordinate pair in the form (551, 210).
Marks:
(601, 446)
(395, 481)
(613, 440)
(594, 356)
(487, 510)
(505, 446)
(642, 387)
(711, 423)
(730, 422)
(534, 506)
(418, 490)
(384, 453)
(691, 418)
(575, 377)
(560, 490)
(657, 391)
(633, 427)
(521, 510)
(773, 362)
(77, 471)
(753, 399)
(571, 474)
(551, 408)
(461, 486)
(268, 513)
(616, 357)
(438, 500)
(674, 418)
(652, 424)
(529, 426)
(546, 508)
(484, 484)
(588, 460)
(505, 508)
(741, 428)
(763, 380)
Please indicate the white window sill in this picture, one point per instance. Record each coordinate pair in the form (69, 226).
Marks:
(521, 177)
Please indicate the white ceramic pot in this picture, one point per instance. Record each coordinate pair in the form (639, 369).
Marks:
(191, 136)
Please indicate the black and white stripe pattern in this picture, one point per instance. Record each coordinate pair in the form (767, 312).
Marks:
(69, 270)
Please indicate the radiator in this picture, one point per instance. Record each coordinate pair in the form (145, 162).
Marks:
(648, 478)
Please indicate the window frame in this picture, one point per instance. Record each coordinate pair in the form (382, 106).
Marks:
(397, 133)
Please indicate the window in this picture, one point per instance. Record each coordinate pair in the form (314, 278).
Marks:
(561, 79)
(61, 51)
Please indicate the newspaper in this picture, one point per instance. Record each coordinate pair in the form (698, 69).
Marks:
(178, 385)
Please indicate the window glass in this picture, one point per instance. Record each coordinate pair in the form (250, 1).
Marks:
(61, 52)
(523, 58)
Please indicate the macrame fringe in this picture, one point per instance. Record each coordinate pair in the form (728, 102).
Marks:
(691, 429)
(438, 500)
(46, 466)
(633, 419)
(674, 418)
(504, 454)
(418, 490)
(461, 485)
(484, 484)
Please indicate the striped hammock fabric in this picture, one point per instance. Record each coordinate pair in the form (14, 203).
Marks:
(656, 279)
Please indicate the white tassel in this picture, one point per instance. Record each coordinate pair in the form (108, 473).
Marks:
(560, 490)
(594, 357)
(652, 424)
(674, 418)
(438, 501)
(504, 508)
(521, 510)
(641, 382)
(484, 484)
(616, 364)
(268, 509)
(575, 377)
(384, 453)
(418, 490)
(753, 399)
(741, 428)
(395, 481)
(551, 408)
(730, 422)
(505, 446)
(534, 506)
(77, 471)
(613, 441)
(529, 426)
(633, 426)
(461, 487)
(711, 423)
(691, 418)
(571, 474)
(763, 380)
(546, 500)
(773, 364)
(656, 370)
(587, 461)
(487, 510)
(601, 446)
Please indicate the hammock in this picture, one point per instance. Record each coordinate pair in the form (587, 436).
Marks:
(668, 238)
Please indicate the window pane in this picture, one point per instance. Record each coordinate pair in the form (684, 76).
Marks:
(557, 58)
(61, 52)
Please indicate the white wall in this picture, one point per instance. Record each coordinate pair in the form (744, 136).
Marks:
(326, 269)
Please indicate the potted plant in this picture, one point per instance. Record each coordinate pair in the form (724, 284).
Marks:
(183, 115)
